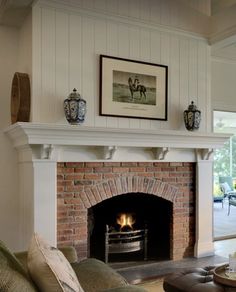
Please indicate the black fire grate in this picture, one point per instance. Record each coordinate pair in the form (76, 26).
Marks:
(125, 241)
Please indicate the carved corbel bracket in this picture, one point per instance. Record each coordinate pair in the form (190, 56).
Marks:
(205, 154)
(46, 151)
(160, 152)
(109, 152)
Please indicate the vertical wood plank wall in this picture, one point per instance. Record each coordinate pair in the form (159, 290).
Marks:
(67, 44)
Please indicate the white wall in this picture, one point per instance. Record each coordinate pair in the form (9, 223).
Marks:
(25, 46)
(9, 206)
(223, 85)
(67, 42)
(15, 56)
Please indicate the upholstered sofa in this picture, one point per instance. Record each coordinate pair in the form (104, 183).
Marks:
(194, 280)
(93, 275)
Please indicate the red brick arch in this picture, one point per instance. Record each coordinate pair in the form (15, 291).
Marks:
(82, 185)
(95, 194)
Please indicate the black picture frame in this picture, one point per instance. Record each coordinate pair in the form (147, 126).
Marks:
(133, 89)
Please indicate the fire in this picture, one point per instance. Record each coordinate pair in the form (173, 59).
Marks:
(125, 220)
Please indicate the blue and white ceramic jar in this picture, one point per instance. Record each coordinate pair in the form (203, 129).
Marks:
(192, 117)
(75, 108)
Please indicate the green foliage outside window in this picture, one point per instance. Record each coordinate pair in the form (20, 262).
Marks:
(224, 163)
(233, 156)
(217, 191)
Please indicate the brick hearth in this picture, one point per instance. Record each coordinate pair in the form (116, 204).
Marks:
(83, 185)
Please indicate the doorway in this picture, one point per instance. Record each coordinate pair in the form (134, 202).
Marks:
(224, 169)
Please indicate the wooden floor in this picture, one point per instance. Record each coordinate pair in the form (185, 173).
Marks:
(224, 225)
(150, 270)
(224, 247)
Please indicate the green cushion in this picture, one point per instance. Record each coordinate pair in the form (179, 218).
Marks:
(13, 277)
(95, 275)
(22, 258)
(68, 251)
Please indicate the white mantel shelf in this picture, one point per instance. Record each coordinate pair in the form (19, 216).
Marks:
(23, 133)
(41, 146)
(58, 142)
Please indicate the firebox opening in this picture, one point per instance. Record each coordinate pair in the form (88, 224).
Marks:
(136, 211)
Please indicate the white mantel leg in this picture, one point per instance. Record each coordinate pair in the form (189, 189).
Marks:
(26, 203)
(45, 203)
(37, 200)
(204, 214)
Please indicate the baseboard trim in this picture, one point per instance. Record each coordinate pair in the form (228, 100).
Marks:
(224, 237)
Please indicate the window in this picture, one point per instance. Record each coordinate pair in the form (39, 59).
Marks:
(225, 158)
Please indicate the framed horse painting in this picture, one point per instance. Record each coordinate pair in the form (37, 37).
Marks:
(133, 89)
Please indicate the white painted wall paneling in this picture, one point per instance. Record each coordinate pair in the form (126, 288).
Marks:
(70, 47)
(36, 87)
(223, 85)
(47, 104)
(112, 50)
(183, 77)
(203, 103)
(62, 62)
(75, 53)
(88, 67)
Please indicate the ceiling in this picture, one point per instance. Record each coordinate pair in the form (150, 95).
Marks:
(13, 13)
(219, 5)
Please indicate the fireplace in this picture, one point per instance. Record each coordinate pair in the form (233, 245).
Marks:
(123, 237)
(160, 194)
(46, 149)
(149, 221)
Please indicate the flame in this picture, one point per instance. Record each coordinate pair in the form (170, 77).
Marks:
(125, 220)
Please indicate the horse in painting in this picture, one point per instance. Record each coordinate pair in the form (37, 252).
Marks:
(135, 86)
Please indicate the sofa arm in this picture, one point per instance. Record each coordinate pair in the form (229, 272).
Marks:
(22, 258)
(70, 253)
(94, 275)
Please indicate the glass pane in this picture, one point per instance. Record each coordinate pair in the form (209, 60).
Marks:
(222, 160)
(224, 166)
(234, 156)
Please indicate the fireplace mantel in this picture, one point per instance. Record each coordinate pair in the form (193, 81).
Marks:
(54, 136)
(41, 146)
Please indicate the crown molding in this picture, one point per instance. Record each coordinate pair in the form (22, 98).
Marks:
(224, 37)
(223, 60)
(74, 7)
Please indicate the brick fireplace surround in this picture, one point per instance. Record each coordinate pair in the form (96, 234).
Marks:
(82, 185)
(89, 164)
